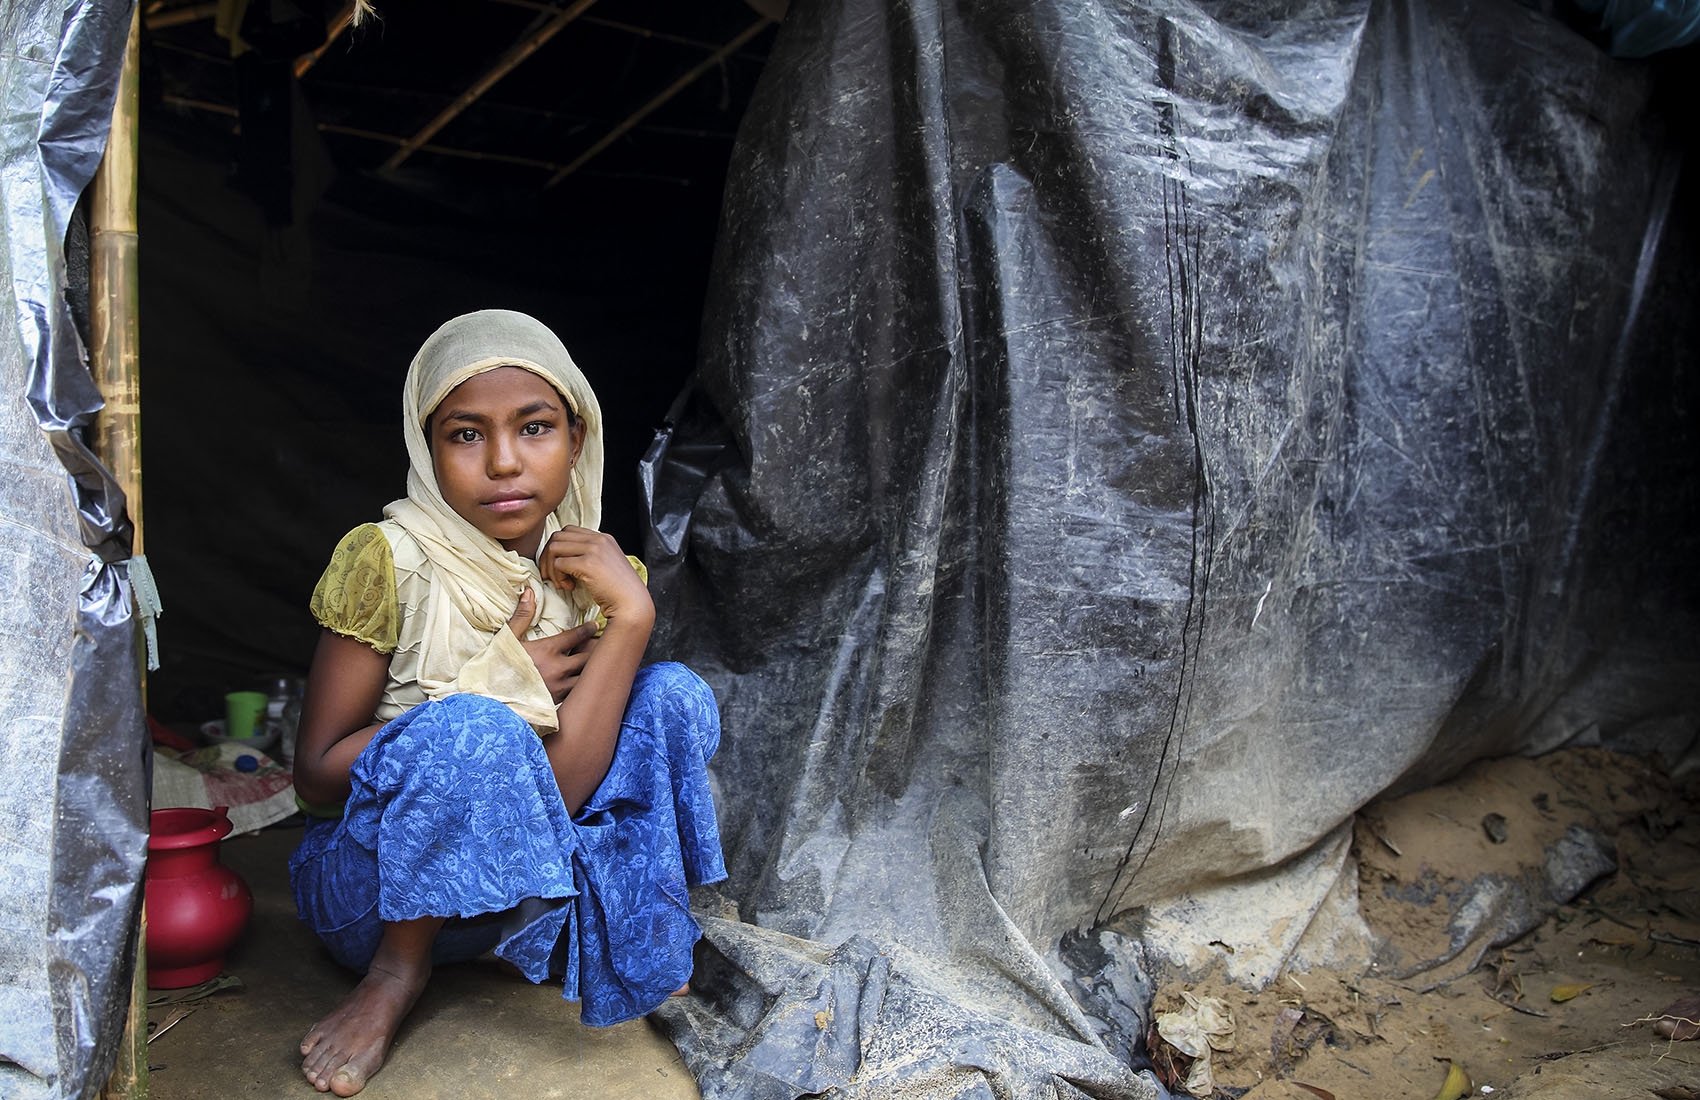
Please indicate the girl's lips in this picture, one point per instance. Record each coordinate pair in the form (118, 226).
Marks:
(511, 504)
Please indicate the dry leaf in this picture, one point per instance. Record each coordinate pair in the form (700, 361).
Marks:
(172, 1019)
(1282, 1051)
(1677, 1092)
(1562, 993)
(1205, 1025)
(1457, 1083)
(1314, 1091)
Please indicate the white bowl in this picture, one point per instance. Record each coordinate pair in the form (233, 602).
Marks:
(213, 733)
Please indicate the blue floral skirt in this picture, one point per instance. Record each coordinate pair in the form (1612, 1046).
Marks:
(455, 813)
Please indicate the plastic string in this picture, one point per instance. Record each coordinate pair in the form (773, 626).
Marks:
(147, 605)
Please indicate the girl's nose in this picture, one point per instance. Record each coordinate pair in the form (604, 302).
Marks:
(502, 457)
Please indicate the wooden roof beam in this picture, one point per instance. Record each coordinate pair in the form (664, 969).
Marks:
(333, 31)
(159, 17)
(673, 89)
(534, 39)
(625, 28)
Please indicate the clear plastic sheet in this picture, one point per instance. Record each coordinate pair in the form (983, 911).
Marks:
(75, 785)
(1128, 439)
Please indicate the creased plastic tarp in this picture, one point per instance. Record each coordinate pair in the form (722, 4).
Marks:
(73, 789)
(1129, 438)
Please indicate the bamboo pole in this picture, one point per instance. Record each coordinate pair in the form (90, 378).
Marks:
(524, 48)
(117, 429)
(160, 18)
(339, 23)
(113, 292)
(373, 135)
(176, 17)
(669, 92)
(625, 28)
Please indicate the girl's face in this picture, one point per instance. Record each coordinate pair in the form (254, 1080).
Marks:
(503, 444)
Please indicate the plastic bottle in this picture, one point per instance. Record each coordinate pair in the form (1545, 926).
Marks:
(291, 726)
(283, 709)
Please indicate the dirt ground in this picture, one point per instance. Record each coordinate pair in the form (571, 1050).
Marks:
(1563, 1011)
(479, 1033)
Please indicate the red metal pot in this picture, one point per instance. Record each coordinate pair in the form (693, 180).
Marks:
(196, 906)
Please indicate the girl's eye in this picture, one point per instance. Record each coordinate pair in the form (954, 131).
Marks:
(465, 435)
(536, 427)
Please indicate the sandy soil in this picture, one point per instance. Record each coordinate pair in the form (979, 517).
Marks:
(1563, 1011)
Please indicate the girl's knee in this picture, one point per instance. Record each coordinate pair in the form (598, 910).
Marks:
(466, 707)
(671, 699)
(444, 736)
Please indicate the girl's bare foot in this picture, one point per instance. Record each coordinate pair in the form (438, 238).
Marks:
(1679, 1020)
(342, 1051)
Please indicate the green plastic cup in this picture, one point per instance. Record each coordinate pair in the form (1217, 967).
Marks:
(243, 713)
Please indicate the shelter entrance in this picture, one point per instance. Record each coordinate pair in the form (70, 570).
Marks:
(309, 213)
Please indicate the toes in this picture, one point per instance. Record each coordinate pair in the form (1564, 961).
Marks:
(318, 1066)
(348, 1080)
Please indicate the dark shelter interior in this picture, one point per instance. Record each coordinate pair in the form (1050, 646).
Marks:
(288, 275)
(1107, 447)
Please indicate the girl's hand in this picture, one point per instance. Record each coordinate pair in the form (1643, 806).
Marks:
(559, 657)
(578, 555)
(589, 718)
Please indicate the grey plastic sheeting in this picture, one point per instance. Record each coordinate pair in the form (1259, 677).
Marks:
(1129, 438)
(73, 789)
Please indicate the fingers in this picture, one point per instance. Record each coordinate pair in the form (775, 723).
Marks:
(566, 674)
(520, 621)
(569, 641)
(594, 561)
(578, 553)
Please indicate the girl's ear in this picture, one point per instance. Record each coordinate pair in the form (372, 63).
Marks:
(580, 430)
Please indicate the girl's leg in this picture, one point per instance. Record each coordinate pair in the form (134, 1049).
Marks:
(454, 811)
(343, 1050)
(647, 834)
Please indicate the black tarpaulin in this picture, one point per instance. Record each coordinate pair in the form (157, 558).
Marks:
(73, 785)
(1129, 438)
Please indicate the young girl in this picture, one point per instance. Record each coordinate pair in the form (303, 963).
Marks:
(484, 763)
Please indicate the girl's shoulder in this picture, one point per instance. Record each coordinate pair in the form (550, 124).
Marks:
(356, 594)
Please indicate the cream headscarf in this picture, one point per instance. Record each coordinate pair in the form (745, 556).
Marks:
(472, 573)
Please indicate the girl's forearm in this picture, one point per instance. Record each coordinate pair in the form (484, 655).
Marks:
(325, 779)
(581, 749)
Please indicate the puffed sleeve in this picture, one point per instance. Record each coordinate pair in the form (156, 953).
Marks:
(356, 596)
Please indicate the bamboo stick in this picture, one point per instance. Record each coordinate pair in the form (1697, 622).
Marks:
(339, 23)
(669, 92)
(113, 293)
(625, 28)
(176, 17)
(524, 48)
(373, 135)
(113, 305)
